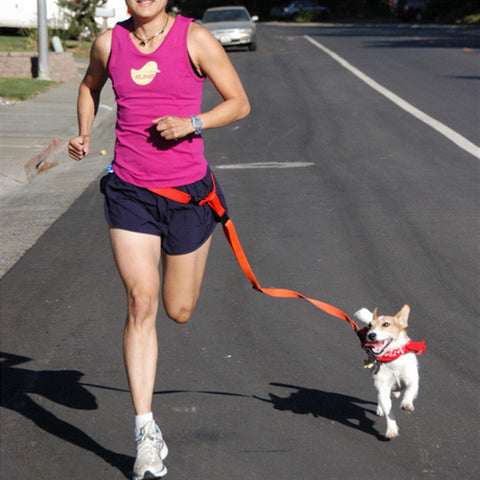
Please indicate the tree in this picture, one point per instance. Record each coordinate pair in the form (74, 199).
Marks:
(81, 15)
(450, 10)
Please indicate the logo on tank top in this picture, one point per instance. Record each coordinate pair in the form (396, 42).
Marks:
(146, 74)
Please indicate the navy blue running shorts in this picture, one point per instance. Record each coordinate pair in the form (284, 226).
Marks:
(183, 228)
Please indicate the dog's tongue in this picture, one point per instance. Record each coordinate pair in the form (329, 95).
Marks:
(375, 346)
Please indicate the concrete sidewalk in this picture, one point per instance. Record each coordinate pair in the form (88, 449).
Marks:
(38, 181)
(33, 131)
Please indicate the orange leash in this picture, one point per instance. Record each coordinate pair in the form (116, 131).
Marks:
(231, 234)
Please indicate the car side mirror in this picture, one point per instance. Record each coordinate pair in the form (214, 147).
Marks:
(255, 18)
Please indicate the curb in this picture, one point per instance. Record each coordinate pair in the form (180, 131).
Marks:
(36, 132)
(38, 163)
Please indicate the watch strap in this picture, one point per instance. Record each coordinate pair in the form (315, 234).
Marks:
(197, 124)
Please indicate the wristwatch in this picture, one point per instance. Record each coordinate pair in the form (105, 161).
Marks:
(197, 124)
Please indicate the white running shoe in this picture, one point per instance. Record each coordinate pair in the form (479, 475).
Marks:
(151, 451)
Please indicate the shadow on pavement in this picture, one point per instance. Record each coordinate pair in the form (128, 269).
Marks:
(348, 411)
(333, 406)
(59, 386)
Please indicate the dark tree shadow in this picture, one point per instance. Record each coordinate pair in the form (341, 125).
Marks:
(62, 387)
(334, 406)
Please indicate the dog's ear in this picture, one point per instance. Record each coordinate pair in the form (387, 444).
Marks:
(402, 316)
(364, 315)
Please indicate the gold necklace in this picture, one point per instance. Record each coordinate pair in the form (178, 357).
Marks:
(143, 42)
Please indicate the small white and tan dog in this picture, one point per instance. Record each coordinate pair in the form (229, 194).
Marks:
(393, 357)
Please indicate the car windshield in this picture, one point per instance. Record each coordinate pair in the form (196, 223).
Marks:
(225, 16)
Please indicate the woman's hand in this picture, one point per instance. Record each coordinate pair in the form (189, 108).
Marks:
(173, 128)
(79, 147)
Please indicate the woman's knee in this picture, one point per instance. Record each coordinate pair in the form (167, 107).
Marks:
(179, 305)
(179, 313)
(142, 306)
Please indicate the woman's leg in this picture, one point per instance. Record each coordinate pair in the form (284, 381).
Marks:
(137, 256)
(182, 279)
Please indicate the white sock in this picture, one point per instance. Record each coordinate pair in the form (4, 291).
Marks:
(141, 421)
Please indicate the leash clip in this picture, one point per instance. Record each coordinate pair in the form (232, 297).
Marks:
(196, 200)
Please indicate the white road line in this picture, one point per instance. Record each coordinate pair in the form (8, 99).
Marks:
(243, 166)
(449, 133)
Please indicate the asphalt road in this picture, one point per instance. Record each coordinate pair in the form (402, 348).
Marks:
(376, 209)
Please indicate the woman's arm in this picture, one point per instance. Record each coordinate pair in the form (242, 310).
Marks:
(211, 60)
(89, 95)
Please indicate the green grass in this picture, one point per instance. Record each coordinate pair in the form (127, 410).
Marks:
(23, 88)
(19, 43)
(79, 51)
(12, 43)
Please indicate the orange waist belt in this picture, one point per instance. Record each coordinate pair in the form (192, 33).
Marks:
(230, 233)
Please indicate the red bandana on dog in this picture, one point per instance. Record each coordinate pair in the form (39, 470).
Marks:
(411, 347)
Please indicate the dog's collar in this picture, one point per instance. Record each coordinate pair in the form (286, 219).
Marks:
(411, 347)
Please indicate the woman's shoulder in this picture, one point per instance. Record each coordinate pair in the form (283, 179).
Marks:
(104, 40)
(198, 33)
(101, 49)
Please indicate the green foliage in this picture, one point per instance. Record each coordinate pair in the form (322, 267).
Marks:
(79, 49)
(16, 43)
(30, 35)
(81, 15)
(452, 10)
(23, 88)
(311, 17)
(26, 41)
(474, 18)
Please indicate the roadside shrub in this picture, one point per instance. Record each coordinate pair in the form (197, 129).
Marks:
(31, 36)
(81, 17)
(451, 11)
(311, 17)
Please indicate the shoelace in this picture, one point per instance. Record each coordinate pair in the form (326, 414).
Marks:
(149, 444)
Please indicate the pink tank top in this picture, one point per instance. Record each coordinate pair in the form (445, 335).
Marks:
(148, 86)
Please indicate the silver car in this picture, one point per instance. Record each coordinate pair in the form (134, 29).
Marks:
(232, 26)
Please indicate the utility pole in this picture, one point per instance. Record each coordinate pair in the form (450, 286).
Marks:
(43, 73)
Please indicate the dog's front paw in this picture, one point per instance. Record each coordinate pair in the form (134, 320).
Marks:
(392, 432)
(380, 411)
(408, 407)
